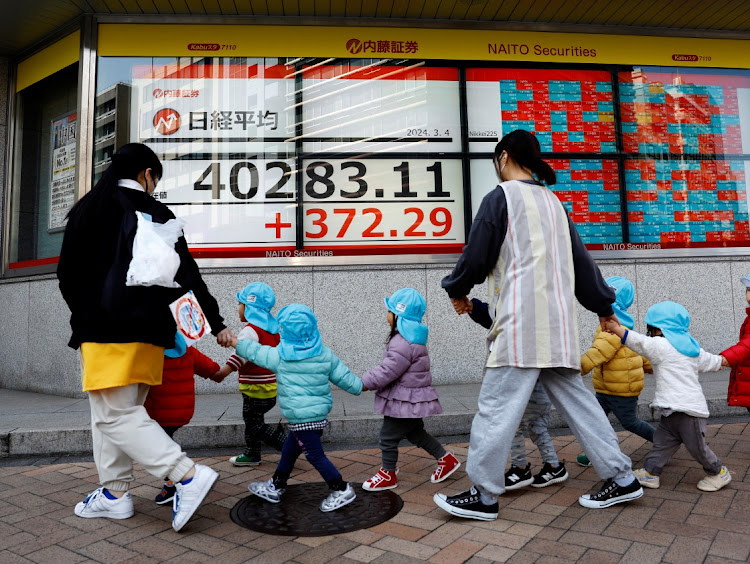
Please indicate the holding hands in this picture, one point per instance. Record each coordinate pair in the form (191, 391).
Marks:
(462, 305)
(604, 321)
(612, 325)
(220, 374)
(224, 337)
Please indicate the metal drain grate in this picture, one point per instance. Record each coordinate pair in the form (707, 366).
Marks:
(299, 514)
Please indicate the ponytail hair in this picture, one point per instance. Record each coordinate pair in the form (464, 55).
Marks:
(128, 162)
(394, 330)
(523, 147)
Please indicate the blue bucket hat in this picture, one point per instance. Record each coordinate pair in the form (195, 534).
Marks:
(300, 338)
(746, 281)
(624, 299)
(409, 306)
(259, 299)
(673, 320)
(180, 347)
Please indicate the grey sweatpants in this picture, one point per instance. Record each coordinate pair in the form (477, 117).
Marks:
(503, 398)
(676, 429)
(535, 421)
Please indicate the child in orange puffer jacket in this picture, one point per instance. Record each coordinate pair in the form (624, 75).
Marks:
(172, 404)
(618, 371)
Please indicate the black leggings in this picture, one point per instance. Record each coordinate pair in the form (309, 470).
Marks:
(395, 429)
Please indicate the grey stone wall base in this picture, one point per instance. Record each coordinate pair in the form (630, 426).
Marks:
(352, 430)
(25, 442)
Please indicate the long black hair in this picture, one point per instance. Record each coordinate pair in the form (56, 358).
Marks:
(524, 148)
(128, 162)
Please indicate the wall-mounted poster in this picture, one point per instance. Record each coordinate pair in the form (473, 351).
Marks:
(62, 189)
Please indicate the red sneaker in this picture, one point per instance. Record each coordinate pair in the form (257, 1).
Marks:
(383, 480)
(446, 466)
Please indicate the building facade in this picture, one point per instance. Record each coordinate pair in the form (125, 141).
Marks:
(339, 160)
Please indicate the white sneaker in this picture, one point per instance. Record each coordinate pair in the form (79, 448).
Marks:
(716, 482)
(266, 490)
(646, 479)
(99, 505)
(338, 499)
(188, 497)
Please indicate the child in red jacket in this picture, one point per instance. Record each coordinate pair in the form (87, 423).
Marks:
(738, 358)
(172, 404)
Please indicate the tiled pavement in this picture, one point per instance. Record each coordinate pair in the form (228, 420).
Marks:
(676, 523)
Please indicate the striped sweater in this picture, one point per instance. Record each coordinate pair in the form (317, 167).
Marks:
(250, 373)
(525, 245)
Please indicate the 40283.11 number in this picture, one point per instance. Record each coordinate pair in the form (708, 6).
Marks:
(439, 218)
(244, 180)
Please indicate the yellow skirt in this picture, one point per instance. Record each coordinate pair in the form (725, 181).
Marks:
(112, 365)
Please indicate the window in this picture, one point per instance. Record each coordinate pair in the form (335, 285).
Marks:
(304, 157)
(43, 163)
(43, 181)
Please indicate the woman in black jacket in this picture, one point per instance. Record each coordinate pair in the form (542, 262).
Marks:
(122, 332)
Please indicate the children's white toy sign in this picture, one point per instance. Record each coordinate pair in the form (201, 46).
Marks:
(190, 319)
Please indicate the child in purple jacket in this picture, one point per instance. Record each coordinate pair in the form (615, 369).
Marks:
(404, 392)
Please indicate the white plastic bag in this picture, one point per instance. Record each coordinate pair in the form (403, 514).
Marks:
(155, 261)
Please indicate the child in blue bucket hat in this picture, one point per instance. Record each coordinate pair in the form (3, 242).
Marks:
(256, 384)
(676, 358)
(304, 367)
(618, 372)
(404, 391)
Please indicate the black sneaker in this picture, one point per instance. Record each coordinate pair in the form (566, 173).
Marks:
(611, 494)
(467, 504)
(518, 477)
(550, 475)
(166, 494)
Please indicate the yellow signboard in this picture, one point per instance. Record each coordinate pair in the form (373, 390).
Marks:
(48, 61)
(163, 40)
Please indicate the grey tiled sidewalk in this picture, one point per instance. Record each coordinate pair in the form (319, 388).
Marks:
(39, 424)
(676, 523)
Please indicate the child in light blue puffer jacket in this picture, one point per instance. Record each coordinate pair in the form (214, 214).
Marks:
(304, 367)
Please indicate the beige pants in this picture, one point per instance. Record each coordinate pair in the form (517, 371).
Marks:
(122, 432)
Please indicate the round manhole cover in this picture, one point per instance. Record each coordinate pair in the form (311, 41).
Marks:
(299, 513)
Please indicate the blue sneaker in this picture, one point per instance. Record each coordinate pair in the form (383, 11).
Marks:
(166, 494)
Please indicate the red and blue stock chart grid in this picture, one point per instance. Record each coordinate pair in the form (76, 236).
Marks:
(681, 148)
